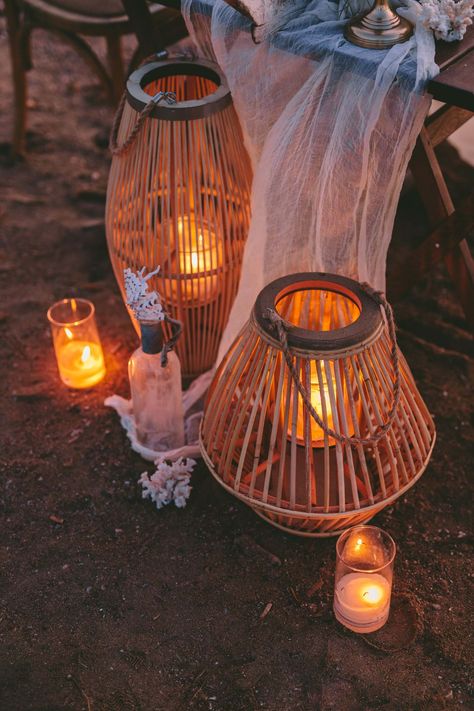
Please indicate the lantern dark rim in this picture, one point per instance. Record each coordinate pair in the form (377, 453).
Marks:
(182, 110)
(360, 330)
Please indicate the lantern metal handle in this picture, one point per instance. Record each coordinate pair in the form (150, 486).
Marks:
(355, 441)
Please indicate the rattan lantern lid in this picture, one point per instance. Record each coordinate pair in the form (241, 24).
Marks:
(188, 110)
(365, 326)
(313, 417)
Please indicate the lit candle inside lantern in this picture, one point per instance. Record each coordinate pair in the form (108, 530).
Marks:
(319, 392)
(78, 350)
(200, 257)
(362, 601)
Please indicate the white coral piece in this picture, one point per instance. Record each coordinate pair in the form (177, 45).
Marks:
(170, 482)
(448, 19)
(146, 306)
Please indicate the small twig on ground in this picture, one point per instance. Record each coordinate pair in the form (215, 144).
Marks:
(81, 691)
(36, 391)
(294, 595)
(267, 609)
(191, 688)
(314, 588)
(249, 546)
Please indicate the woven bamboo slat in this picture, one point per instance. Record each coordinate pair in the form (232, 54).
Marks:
(259, 438)
(179, 197)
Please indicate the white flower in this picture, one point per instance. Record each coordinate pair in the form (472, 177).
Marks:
(169, 483)
(146, 306)
(448, 19)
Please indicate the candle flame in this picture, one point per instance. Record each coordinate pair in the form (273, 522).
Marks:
(195, 261)
(86, 354)
(73, 306)
(373, 594)
(68, 333)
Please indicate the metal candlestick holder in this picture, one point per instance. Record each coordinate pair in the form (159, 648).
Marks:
(380, 28)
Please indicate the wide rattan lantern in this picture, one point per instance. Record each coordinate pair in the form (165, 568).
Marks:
(179, 195)
(313, 417)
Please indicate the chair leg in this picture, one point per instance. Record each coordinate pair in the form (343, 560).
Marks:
(134, 63)
(439, 205)
(460, 265)
(116, 69)
(25, 42)
(451, 234)
(148, 34)
(435, 195)
(85, 51)
(18, 74)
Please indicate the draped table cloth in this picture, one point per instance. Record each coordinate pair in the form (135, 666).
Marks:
(329, 128)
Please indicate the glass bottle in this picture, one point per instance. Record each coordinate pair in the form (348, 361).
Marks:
(156, 392)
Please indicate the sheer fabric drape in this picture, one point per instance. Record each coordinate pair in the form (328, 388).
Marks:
(329, 128)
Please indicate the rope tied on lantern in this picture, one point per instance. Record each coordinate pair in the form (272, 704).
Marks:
(354, 441)
(168, 96)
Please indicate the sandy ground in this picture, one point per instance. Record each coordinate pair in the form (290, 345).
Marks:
(107, 604)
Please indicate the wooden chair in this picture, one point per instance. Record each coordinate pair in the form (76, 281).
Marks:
(451, 226)
(69, 19)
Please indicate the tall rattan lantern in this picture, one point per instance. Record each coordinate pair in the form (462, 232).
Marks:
(313, 417)
(179, 195)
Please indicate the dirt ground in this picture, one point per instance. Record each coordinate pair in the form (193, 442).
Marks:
(108, 604)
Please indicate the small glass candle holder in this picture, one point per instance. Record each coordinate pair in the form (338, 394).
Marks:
(76, 343)
(364, 570)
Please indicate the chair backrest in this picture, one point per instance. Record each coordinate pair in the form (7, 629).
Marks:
(149, 37)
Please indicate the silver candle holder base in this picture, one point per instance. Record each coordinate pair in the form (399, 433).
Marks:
(380, 28)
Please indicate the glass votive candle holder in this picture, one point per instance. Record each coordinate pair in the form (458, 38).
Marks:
(364, 570)
(76, 343)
